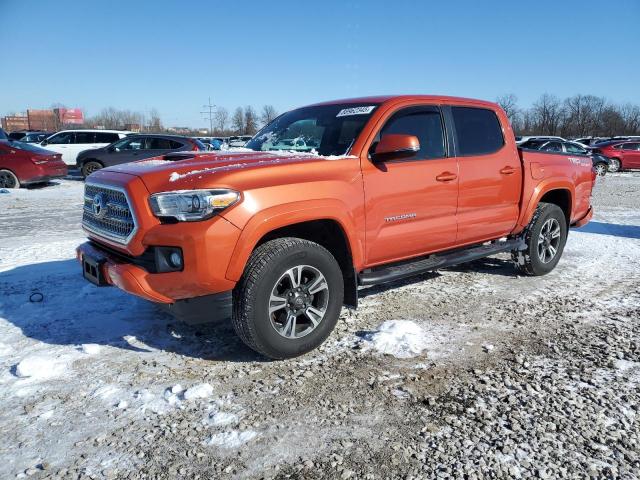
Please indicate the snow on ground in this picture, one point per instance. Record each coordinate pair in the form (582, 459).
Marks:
(95, 381)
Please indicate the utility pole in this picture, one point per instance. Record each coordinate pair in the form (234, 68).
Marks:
(209, 114)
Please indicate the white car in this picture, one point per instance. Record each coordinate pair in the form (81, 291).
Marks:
(69, 143)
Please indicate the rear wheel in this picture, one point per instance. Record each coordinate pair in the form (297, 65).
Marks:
(615, 165)
(89, 167)
(8, 179)
(288, 299)
(601, 169)
(545, 238)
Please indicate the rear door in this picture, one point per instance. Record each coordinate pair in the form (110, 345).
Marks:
(83, 141)
(490, 176)
(411, 202)
(631, 155)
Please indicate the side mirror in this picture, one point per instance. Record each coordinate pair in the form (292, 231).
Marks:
(44, 142)
(392, 146)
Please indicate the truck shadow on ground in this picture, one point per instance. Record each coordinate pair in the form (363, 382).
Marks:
(613, 229)
(50, 302)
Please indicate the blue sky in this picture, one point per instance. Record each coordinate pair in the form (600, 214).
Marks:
(173, 55)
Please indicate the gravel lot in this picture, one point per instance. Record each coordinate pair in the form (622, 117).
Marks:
(514, 377)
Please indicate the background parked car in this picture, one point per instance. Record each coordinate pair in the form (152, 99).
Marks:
(623, 154)
(26, 164)
(525, 138)
(35, 137)
(70, 143)
(600, 162)
(239, 141)
(132, 148)
(29, 136)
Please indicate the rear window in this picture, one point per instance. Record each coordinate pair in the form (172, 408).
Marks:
(478, 131)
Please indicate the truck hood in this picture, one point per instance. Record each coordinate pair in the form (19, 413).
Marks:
(192, 170)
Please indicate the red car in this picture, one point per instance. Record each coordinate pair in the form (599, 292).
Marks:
(624, 154)
(25, 164)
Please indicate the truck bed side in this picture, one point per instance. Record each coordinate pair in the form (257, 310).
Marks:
(568, 178)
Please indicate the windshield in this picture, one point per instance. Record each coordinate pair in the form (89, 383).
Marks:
(324, 129)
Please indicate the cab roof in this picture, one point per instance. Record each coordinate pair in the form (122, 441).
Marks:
(380, 99)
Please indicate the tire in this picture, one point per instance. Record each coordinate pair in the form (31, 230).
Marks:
(8, 179)
(536, 259)
(615, 165)
(89, 167)
(264, 323)
(601, 169)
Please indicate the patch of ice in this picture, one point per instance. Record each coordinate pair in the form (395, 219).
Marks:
(41, 367)
(624, 365)
(91, 348)
(232, 439)
(399, 338)
(222, 418)
(202, 390)
(46, 415)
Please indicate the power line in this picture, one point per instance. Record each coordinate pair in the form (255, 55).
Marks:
(209, 114)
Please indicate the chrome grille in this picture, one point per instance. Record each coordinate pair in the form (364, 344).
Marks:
(118, 222)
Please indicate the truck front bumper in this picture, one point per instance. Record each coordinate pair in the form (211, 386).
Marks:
(104, 267)
(584, 220)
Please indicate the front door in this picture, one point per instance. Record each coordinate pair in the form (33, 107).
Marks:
(411, 202)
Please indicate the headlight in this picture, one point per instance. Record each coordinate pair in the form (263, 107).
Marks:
(192, 205)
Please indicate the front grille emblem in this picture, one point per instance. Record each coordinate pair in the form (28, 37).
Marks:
(99, 206)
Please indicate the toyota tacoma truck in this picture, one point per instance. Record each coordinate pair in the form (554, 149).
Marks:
(278, 241)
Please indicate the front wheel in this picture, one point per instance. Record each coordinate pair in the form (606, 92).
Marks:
(545, 238)
(615, 165)
(8, 179)
(601, 169)
(90, 167)
(288, 299)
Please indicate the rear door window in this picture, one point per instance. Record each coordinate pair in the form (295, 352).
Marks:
(572, 148)
(159, 143)
(478, 131)
(85, 137)
(106, 137)
(425, 123)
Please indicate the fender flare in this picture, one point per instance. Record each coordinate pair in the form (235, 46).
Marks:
(539, 191)
(288, 214)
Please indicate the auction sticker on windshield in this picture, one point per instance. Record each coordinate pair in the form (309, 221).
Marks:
(355, 111)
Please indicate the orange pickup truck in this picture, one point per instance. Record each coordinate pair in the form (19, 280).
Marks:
(279, 235)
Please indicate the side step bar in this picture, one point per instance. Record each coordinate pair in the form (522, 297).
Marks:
(397, 271)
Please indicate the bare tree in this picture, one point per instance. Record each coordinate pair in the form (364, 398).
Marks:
(631, 118)
(155, 122)
(548, 114)
(509, 104)
(268, 114)
(250, 120)
(221, 118)
(237, 121)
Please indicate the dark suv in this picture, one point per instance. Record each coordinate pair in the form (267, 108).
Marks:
(132, 148)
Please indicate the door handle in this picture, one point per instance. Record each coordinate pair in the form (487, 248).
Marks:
(446, 177)
(508, 171)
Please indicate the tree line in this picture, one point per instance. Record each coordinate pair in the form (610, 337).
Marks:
(243, 121)
(576, 116)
